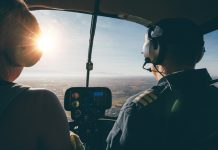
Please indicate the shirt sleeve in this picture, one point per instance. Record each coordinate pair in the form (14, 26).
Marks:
(138, 126)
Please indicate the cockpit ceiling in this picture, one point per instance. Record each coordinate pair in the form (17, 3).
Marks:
(202, 12)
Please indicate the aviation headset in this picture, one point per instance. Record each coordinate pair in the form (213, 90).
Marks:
(154, 48)
(23, 56)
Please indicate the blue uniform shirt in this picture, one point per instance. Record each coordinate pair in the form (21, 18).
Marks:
(161, 117)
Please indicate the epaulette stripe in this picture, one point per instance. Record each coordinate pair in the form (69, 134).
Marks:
(143, 102)
(148, 99)
(137, 99)
(153, 96)
(145, 98)
(141, 95)
(140, 100)
(145, 92)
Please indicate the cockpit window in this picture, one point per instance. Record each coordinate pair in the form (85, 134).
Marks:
(210, 59)
(118, 60)
(65, 37)
(116, 56)
(65, 40)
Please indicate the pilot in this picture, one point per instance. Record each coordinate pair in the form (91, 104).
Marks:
(180, 112)
(29, 118)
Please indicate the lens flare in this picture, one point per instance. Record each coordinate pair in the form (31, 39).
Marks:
(46, 41)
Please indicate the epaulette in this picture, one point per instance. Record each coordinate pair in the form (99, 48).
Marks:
(146, 98)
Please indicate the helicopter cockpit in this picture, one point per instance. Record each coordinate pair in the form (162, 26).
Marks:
(92, 59)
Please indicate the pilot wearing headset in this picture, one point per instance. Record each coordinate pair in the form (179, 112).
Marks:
(180, 112)
(29, 118)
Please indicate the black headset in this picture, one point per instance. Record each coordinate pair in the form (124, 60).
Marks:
(154, 48)
(153, 52)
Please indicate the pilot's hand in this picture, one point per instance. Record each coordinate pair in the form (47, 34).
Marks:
(76, 142)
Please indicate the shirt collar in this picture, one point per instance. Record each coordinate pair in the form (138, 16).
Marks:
(187, 77)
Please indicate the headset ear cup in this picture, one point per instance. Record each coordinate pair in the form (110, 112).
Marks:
(151, 51)
(154, 50)
(24, 57)
(146, 49)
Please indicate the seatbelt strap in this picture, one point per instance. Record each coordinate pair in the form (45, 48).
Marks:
(8, 92)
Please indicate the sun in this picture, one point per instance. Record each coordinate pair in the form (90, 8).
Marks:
(47, 41)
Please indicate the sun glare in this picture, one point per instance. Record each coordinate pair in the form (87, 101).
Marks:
(47, 41)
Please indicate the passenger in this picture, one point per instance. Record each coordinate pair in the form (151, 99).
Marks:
(180, 112)
(30, 119)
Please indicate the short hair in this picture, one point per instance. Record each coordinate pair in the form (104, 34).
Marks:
(183, 40)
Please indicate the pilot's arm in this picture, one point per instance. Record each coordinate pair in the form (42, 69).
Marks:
(135, 128)
(123, 135)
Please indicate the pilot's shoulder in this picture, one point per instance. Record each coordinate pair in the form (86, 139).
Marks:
(146, 97)
(39, 94)
(44, 100)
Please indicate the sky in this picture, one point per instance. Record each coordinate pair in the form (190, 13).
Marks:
(116, 50)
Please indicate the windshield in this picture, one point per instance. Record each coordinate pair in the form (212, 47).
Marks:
(117, 56)
(210, 58)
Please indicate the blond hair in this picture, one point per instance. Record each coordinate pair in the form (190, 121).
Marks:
(17, 27)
